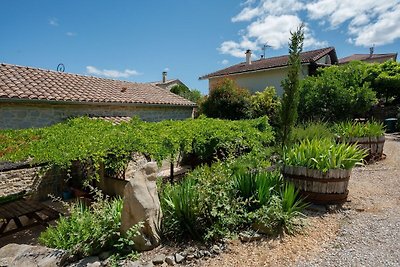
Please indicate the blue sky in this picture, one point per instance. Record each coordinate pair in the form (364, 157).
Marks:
(137, 40)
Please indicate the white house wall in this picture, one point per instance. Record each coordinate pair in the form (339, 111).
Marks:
(258, 81)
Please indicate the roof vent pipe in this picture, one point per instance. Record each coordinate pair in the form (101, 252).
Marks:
(164, 76)
(248, 57)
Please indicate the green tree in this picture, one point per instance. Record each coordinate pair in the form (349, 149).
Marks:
(227, 101)
(336, 93)
(290, 99)
(385, 79)
(183, 91)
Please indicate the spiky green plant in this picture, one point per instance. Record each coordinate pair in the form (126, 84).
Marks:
(323, 155)
(350, 129)
(183, 207)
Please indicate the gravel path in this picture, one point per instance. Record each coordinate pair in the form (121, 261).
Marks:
(365, 233)
(370, 232)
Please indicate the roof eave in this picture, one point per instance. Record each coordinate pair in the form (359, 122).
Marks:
(58, 102)
(250, 71)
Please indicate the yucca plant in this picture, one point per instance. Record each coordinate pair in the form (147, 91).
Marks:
(182, 208)
(323, 155)
(267, 184)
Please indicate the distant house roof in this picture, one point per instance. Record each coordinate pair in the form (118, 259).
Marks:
(368, 57)
(274, 62)
(33, 84)
(166, 82)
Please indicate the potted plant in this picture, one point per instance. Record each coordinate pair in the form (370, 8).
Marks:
(369, 136)
(321, 168)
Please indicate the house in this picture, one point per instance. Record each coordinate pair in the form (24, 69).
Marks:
(32, 97)
(258, 74)
(167, 84)
(369, 58)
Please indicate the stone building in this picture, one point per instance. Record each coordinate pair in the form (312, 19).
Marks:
(32, 97)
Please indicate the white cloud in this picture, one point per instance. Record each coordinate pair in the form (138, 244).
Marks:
(274, 30)
(364, 22)
(225, 62)
(368, 21)
(53, 22)
(70, 34)
(166, 69)
(270, 22)
(112, 73)
(246, 14)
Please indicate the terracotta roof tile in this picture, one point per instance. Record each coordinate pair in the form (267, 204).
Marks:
(366, 57)
(32, 83)
(270, 63)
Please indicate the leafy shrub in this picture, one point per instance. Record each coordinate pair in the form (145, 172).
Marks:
(350, 129)
(211, 213)
(323, 155)
(86, 231)
(266, 103)
(281, 212)
(336, 93)
(227, 101)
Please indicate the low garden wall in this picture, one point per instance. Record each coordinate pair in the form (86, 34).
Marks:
(37, 184)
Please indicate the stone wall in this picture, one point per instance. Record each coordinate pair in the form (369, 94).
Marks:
(37, 184)
(24, 115)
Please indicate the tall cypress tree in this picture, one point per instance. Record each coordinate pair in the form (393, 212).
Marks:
(290, 99)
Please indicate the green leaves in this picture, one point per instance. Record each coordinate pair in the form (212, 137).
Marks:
(97, 141)
(346, 130)
(336, 93)
(323, 155)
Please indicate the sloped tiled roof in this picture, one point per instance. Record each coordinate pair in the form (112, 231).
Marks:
(368, 57)
(273, 62)
(26, 83)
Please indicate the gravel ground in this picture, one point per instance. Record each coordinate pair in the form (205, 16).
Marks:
(366, 232)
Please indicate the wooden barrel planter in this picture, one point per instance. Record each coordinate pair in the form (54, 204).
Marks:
(374, 146)
(319, 187)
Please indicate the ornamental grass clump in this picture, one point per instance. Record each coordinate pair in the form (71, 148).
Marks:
(323, 155)
(312, 130)
(347, 130)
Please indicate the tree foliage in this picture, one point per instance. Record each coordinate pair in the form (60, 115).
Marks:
(290, 85)
(336, 93)
(183, 91)
(385, 79)
(227, 101)
(266, 103)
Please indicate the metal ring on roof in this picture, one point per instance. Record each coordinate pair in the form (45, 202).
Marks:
(60, 67)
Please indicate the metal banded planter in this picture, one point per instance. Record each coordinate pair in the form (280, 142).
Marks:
(374, 145)
(318, 187)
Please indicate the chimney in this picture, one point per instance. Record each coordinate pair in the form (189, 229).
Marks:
(164, 76)
(248, 57)
(371, 51)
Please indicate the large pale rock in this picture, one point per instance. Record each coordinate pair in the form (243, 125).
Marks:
(141, 204)
(27, 256)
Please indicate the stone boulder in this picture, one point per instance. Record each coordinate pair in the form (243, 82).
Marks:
(141, 204)
(26, 255)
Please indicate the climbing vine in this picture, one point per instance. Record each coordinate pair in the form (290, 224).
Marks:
(98, 141)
